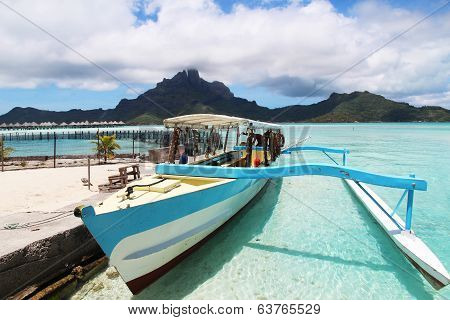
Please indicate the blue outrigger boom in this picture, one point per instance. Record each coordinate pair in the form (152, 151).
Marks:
(312, 169)
(400, 232)
(149, 225)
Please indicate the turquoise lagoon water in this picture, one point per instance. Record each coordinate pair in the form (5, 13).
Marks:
(72, 146)
(309, 238)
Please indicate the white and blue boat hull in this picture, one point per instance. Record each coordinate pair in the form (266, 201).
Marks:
(146, 241)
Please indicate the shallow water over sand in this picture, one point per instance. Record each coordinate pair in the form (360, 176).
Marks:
(309, 238)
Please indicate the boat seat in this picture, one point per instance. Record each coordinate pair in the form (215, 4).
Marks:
(165, 186)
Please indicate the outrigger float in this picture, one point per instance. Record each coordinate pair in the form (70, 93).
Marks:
(149, 226)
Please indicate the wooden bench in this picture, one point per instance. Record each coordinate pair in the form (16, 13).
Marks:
(114, 183)
(121, 180)
(135, 172)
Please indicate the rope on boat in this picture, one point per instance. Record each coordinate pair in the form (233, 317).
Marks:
(130, 189)
(40, 211)
(61, 215)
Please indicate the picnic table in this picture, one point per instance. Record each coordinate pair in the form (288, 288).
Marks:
(121, 180)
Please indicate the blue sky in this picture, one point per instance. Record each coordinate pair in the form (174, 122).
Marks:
(340, 5)
(62, 94)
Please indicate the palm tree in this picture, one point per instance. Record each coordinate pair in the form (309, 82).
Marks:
(4, 151)
(106, 146)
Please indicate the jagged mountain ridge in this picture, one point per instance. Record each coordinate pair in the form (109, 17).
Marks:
(188, 93)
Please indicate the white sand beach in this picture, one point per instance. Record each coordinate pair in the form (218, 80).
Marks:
(37, 194)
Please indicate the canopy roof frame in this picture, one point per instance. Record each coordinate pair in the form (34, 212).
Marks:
(206, 121)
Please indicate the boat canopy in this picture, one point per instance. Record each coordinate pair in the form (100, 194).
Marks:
(205, 121)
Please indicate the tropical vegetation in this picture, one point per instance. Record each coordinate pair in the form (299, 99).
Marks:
(106, 146)
(5, 152)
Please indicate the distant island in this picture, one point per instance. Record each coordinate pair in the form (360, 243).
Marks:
(188, 93)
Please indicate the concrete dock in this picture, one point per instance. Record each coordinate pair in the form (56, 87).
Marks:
(40, 237)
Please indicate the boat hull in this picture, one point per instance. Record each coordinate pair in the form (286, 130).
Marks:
(414, 249)
(144, 256)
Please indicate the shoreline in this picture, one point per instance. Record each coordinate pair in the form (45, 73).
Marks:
(62, 161)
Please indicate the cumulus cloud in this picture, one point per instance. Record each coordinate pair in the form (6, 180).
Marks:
(292, 49)
(295, 86)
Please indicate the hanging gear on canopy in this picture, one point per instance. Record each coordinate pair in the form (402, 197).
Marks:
(266, 141)
(249, 150)
(281, 139)
(226, 140)
(278, 143)
(272, 146)
(209, 142)
(215, 142)
(196, 138)
(258, 138)
(174, 144)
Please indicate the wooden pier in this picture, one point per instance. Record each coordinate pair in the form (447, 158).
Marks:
(158, 137)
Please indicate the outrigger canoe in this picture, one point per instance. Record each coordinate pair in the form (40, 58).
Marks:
(149, 226)
(152, 224)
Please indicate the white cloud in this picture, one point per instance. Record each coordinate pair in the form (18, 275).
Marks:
(432, 99)
(298, 45)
